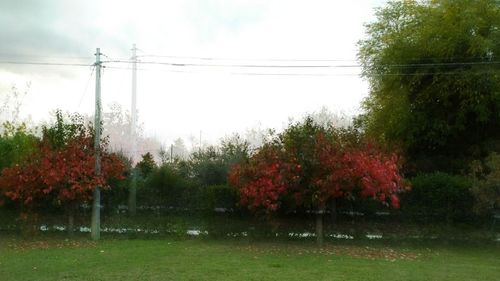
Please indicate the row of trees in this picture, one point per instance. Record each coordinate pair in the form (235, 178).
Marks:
(434, 99)
(307, 167)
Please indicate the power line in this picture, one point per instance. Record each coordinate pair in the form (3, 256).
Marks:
(189, 64)
(74, 57)
(274, 66)
(431, 73)
(237, 73)
(44, 63)
(246, 59)
(5, 55)
(443, 64)
(306, 74)
(86, 87)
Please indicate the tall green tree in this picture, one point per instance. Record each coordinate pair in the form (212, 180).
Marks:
(211, 165)
(147, 165)
(433, 70)
(16, 144)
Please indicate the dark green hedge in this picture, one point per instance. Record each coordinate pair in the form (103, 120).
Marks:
(439, 197)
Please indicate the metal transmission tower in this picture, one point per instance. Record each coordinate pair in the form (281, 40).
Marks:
(96, 204)
(132, 199)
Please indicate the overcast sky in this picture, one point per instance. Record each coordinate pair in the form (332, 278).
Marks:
(179, 101)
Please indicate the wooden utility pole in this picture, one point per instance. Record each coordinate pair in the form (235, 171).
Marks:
(96, 204)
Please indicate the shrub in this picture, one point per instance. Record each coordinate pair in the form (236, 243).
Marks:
(440, 197)
(16, 144)
(486, 188)
(161, 187)
(166, 187)
(220, 196)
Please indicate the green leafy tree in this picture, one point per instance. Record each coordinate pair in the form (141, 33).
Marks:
(16, 143)
(164, 186)
(211, 165)
(439, 197)
(147, 165)
(64, 129)
(434, 80)
(138, 176)
(208, 167)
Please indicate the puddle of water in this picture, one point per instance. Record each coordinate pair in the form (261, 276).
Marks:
(196, 232)
(191, 232)
(236, 234)
(353, 213)
(84, 229)
(373, 236)
(301, 235)
(59, 227)
(341, 236)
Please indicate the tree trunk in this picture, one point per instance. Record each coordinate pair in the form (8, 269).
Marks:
(132, 194)
(29, 223)
(71, 221)
(333, 211)
(319, 224)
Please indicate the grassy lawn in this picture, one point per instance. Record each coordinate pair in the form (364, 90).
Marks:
(55, 258)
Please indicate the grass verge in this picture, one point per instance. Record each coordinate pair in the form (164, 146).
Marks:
(57, 258)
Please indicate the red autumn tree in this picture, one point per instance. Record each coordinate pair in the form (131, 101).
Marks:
(265, 178)
(62, 169)
(362, 171)
(310, 166)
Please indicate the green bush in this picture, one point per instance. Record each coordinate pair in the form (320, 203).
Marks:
(166, 187)
(486, 188)
(16, 144)
(439, 197)
(118, 192)
(220, 196)
(162, 187)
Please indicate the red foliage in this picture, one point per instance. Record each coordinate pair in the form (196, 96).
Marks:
(264, 179)
(65, 175)
(358, 172)
(273, 174)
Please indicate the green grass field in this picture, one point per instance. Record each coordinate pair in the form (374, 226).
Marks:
(56, 258)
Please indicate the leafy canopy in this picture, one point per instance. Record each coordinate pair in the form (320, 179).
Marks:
(61, 168)
(16, 144)
(308, 165)
(434, 79)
